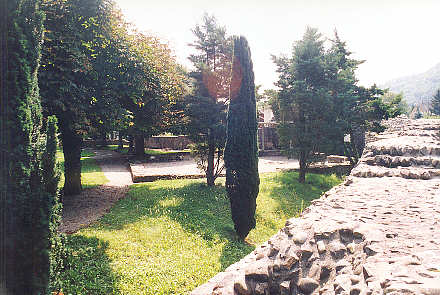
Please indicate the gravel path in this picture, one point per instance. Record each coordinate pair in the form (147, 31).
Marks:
(188, 169)
(82, 210)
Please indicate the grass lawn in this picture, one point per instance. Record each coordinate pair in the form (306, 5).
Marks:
(91, 174)
(170, 236)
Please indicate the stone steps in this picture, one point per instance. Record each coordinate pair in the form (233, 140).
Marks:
(401, 161)
(362, 170)
(377, 233)
(407, 150)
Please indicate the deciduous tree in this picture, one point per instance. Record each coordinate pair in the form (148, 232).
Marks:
(77, 32)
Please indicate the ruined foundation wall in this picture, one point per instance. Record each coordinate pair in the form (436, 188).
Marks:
(377, 233)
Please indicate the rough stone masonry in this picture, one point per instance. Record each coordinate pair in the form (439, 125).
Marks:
(377, 233)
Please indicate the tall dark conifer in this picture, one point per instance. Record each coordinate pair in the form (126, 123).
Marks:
(241, 151)
(435, 103)
(26, 208)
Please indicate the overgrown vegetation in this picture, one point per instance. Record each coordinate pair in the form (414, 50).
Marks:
(167, 237)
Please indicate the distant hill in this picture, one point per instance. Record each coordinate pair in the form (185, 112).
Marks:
(417, 89)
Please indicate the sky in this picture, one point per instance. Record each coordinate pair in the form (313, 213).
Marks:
(396, 38)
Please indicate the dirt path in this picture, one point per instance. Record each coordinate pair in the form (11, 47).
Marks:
(188, 168)
(82, 210)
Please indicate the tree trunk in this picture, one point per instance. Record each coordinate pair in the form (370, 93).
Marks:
(302, 167)
(357, 138)
(139, 145)
(72, 143)
(210, 161)
(120, 142)
(131, 144)
(103, 139)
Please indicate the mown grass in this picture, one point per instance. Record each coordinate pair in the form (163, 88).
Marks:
(170, 236)
(91, 174)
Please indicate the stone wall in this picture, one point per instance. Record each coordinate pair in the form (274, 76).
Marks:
(180, 142)
(377, 233)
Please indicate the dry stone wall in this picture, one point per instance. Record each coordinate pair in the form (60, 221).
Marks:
(377, 233)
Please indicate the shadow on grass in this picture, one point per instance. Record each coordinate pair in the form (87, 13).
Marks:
(199, 209)
(205, 211)
(293, 197)
(87, 267)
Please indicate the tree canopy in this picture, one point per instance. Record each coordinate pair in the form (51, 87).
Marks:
(319, 101)
(100, 74)
(206, 103)
(305, 102)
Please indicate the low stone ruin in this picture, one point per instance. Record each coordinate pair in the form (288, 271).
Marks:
(377, 233)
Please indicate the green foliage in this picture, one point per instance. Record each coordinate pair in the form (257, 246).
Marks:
(75, 74)
(205, 106)
(271, 98)
(435, 103)
(170, 236)
(418, 114)
(148, 83)
(51, 176)
(396, 104)
(101, 74)
(241, 151)
(28, 172)
(306, 105)
(320, 101)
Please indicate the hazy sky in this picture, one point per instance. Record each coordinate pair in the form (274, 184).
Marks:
(395, 37)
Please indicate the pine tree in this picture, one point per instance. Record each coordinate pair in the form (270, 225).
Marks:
(26, 228)
(435, 103)
(305, 104)
(241, 151)
(206, 105)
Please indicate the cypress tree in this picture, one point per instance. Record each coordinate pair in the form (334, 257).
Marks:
(241, 151)
(435, 103)
(50, 203)
(26, 209)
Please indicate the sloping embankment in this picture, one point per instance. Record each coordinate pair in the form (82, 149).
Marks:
(377, 233)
